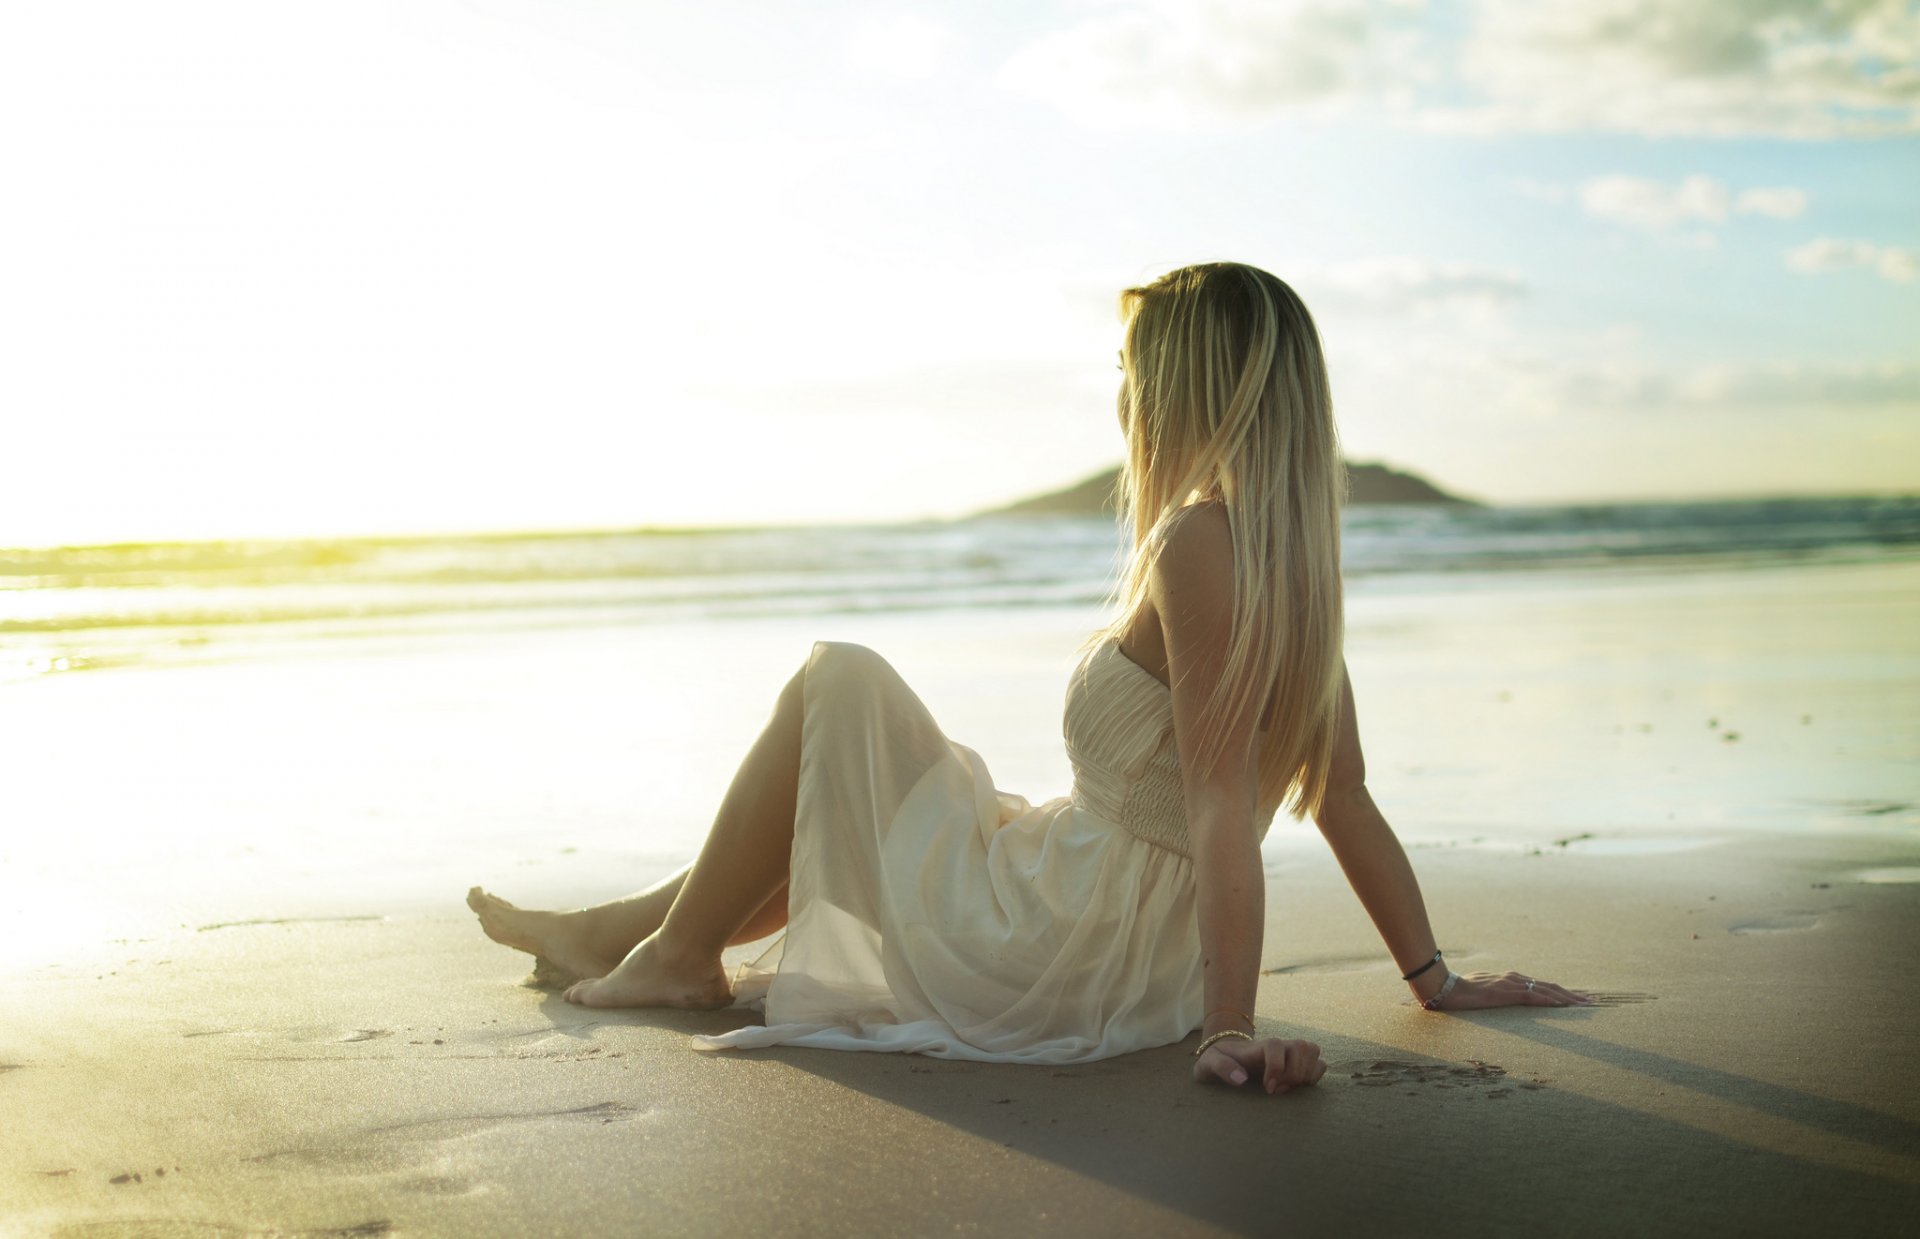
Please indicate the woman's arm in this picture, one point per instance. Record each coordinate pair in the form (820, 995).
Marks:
(1371, 856)
(1191, 587)
(1377, 868)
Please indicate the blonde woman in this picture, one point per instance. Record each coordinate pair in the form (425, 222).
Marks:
(926, 911)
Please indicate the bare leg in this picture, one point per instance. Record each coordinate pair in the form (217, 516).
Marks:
(618, 927)
(741, 868)
(588, 942)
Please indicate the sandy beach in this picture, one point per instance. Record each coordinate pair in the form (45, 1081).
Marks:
(1747, 1072)
(213, 1027)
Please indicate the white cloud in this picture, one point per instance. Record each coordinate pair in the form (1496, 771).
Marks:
(1889, 262)
(1777, 202)
(1549, 383)
(1642, 203)
(1759, 384)
(1796, 68)
(1712, 67)
(1650, 204)
(1399, 284)
(1173, 64)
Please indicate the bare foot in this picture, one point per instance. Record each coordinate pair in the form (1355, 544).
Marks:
(645, 978)
(556, 939)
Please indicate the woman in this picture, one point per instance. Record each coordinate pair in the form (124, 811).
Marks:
(932, 913)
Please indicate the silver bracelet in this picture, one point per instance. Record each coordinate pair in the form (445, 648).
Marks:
(1446, 987)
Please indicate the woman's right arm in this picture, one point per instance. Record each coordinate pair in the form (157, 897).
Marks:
(1380, 874)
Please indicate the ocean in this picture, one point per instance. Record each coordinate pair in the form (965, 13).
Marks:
(83, 608)
(198, 734)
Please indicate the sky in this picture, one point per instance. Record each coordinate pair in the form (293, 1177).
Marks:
(424, 266)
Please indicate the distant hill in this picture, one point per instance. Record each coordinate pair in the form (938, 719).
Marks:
(1371, 484)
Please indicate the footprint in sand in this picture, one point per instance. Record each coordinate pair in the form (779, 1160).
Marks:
(1776, 923)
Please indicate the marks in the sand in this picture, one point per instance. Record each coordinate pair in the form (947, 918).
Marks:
(539, 1030)
(1474, 1077)
(335, 1042)
(181, 1228)
(599, 1112)
(1838, 810)
(435, 1185)
(1777, 922)
(1629, 845)
(367, 1034)
(1862, 807)
(287, 920)
(377, 1150)
(1892, 875)
(1608, 998)
(310, 1034)
(6, 1067)
(324, 1034)
(552, 1045)
(127, 1177)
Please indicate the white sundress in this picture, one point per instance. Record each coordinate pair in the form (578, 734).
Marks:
(931, 913)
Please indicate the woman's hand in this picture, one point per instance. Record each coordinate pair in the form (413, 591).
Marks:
(1478, 990)
(1280, 1065)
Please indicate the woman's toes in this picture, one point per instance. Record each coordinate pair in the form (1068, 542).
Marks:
(485, 904)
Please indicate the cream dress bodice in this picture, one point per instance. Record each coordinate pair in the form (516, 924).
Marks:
(1118, 725)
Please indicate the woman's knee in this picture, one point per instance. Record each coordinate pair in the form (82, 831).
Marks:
(832, 659)
(841, 670)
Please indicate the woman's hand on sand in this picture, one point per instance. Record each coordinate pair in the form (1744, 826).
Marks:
(1278, 1065)
(1479, 990)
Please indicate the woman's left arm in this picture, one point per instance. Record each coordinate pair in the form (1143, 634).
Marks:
(1377, 868)
(1191, 586)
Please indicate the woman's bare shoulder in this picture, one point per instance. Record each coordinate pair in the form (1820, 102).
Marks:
(1198, 540)
(1195, 565)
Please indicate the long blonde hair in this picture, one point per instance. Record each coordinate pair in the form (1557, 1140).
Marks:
(1226, 398)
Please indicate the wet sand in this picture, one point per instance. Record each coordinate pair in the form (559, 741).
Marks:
(1748, 1071)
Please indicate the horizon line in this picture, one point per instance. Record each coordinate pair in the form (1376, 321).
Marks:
(530, 533)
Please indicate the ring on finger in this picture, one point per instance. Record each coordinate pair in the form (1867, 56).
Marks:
(1530, 987)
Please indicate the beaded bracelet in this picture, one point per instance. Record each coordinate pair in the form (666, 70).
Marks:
(1231, 1032)
(1446, 987)
(1423, 967)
